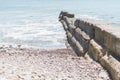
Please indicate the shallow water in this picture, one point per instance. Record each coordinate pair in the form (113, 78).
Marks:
(35, 22)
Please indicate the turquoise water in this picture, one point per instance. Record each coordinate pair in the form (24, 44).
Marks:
(35, 22)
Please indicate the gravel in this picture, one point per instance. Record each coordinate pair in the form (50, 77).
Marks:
(47, 64)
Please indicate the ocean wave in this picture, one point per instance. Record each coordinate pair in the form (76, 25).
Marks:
(45, 33)
(90, 17)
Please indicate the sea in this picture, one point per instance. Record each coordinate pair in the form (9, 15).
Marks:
(34, 23)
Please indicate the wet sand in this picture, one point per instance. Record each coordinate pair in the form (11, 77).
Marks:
(43, 64)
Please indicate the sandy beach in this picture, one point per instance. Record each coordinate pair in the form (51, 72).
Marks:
(43, 64)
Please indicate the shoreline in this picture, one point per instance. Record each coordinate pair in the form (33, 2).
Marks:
(29, 47)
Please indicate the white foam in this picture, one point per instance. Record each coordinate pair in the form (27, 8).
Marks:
(49, 31)
(90, 17)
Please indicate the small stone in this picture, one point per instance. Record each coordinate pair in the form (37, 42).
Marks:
(19, 46)
(10, 46)
(103, 74)
(1, 47)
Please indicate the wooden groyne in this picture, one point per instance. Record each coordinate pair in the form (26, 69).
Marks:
(94, 39)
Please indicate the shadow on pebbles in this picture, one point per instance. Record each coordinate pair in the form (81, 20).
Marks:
(52, 64)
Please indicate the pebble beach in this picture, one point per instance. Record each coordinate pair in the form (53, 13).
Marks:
(44, 64)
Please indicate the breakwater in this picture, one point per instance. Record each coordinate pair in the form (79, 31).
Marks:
(94, 39)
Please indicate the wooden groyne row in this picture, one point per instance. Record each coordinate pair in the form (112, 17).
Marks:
(94, 39)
